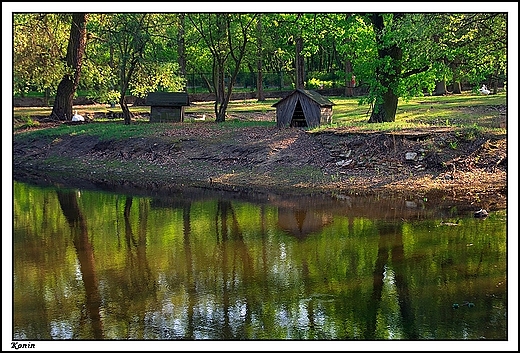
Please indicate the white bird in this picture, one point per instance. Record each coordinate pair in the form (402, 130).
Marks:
(484, 90)
(77, 117)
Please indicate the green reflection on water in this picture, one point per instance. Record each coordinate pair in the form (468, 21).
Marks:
(94, 265)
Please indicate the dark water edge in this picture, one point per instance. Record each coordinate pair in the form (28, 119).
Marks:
(389, 206)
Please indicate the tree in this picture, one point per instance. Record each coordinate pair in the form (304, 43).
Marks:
(226, 36)
(475, 48)
(129, 34)
(141, 56)
(387, 72)
(39, 41)
(62, 108)
(260, 57)
(396, 51)
(181, 46)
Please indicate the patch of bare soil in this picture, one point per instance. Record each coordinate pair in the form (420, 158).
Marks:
(430, 164)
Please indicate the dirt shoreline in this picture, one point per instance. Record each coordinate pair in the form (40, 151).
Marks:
(440, 164)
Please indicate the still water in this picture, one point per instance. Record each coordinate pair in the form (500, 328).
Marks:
(203, 265)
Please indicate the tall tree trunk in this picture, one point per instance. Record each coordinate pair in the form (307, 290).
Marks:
(440, 86)
(62, 108)
(259, 69)
(300, 79)
(220, 101)
(349, 88)
(125, 83)
(457, 89)
(181, 48)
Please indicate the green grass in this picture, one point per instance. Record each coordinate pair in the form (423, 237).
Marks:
(466, 111)
(103, 130)
(462, 111)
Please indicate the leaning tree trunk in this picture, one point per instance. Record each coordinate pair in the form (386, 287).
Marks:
(62, 108)
(349, 88)
(127, 114)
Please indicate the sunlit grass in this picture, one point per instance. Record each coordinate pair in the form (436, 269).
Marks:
(461, 111)
(236, 106)
(421, 112)
(43, 111)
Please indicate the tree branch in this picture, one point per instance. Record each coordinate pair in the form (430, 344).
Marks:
(415, 71)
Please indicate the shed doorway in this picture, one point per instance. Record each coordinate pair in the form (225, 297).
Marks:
(298, 118)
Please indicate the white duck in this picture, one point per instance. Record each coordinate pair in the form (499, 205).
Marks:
(77, 117)
(484, 90)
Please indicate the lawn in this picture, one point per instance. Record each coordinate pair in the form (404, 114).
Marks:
(464, 111)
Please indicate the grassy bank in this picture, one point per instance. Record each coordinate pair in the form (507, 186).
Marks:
(466, 111)
(459, 143)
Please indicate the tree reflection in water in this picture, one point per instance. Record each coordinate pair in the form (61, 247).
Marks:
(84, 251)
(195, 268)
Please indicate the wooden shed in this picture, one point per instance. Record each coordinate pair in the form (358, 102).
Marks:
(167, 106)
(303, 108)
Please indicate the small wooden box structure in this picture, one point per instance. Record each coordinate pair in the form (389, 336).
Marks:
(167, 106)
(303, 108)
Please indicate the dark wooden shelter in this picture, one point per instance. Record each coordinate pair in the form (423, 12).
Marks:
(167, 106)
(303, 108)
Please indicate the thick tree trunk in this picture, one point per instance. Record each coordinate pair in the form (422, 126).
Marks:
(440, 88)
(127, 114)
(385, 111)
(62, 108)
(220, 103)
(388, 77)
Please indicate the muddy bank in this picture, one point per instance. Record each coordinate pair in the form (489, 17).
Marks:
(442, 164)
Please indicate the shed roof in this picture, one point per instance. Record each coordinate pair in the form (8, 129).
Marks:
(168, 99)
(315, 96)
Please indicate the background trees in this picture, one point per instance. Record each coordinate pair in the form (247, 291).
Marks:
(392, 56)
(226, 36)
(39, 47)
(136, 55)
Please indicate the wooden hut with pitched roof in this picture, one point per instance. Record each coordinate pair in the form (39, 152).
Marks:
(303, 108)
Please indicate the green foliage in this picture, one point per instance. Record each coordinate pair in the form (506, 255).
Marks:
(39, 45)
(143, 49)
(157, 77)
(314, 83)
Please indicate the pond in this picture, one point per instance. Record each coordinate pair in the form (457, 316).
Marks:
(196, 264)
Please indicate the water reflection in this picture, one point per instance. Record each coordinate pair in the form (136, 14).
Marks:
(195, 265)
(85, 255)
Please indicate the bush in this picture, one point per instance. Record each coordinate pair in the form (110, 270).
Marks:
(315, 83)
